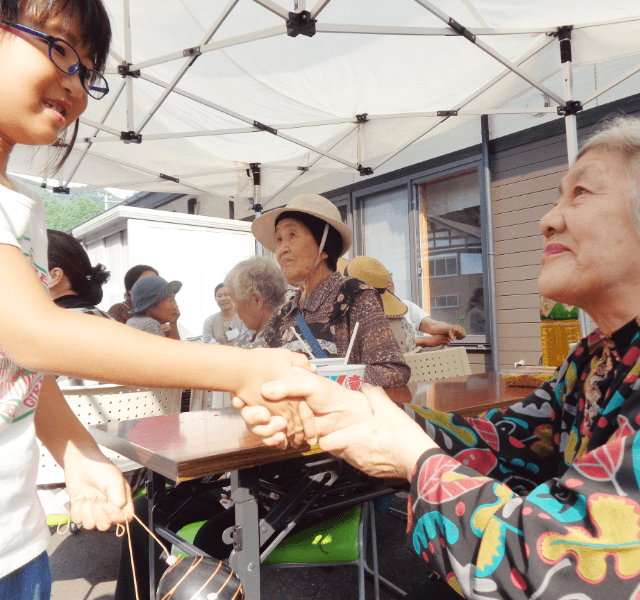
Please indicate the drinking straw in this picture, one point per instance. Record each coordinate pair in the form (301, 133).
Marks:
(304, 346)
(353, 339)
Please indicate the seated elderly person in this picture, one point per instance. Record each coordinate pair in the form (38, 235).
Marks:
(307, 237)
(155, 304)
(257, 288)
(542, 499)
(437, 332)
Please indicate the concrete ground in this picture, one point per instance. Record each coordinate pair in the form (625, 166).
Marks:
(85, 566)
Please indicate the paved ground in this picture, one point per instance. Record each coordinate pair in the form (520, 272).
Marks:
(85, 566)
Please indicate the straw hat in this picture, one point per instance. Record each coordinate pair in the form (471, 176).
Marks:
(264, 227)
(374, 273)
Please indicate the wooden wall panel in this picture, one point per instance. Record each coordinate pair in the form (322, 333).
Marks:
(518, 273)
(525, 184)
(518, 259)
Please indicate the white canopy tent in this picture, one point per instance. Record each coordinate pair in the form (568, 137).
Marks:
(245, 98)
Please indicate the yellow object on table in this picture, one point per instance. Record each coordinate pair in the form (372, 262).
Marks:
(557, 338)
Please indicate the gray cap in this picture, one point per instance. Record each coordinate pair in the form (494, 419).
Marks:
(150, 290)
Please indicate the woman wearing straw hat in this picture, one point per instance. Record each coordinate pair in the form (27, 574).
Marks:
(308, 236)
(374, 273)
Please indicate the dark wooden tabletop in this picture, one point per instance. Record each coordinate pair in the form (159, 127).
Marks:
(468, 395)
(197, 444)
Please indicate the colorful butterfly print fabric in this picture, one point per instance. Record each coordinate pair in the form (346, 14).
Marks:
(541, 500)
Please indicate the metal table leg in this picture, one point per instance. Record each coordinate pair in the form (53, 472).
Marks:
(155, 483)
(245, 559)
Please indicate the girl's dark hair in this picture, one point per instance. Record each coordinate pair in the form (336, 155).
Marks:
(133, 274)
(333, 243)
(66, 253)
(220, 285)
(95, 32)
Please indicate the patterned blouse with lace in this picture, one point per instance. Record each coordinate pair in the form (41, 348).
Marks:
(541, 500)
(331, 311)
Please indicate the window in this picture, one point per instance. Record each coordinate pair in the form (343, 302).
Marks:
(386, 235)
(443, 266)
(447, 301)
(451, 250)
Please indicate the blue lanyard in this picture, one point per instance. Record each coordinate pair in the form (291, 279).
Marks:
(318, 352)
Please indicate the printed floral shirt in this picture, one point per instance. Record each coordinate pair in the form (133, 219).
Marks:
(541, 500)
(331, 311)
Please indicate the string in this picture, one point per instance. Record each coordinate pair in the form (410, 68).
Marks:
(122, 529)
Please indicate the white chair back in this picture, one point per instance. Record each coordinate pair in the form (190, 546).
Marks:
(105, 404)
(427, 366)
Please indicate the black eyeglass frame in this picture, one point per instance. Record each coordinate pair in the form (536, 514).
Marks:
(84, 72)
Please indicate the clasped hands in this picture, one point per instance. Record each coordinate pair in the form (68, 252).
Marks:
(366, 429)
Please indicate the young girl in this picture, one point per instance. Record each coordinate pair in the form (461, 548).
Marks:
(51, 56)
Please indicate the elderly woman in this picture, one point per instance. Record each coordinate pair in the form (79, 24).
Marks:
(541, 500)
(257, 288)
(307, 237)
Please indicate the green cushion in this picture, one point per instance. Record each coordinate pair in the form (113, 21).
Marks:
(188, 534)
(332, 541)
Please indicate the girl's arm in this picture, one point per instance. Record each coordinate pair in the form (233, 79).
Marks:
(38, 335)
(99, 494)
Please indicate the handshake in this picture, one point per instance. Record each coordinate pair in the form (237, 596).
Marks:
(365, 428)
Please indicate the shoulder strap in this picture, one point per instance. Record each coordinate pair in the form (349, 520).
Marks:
(318, 352)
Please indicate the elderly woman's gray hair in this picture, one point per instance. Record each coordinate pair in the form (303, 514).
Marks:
(258, 274)
(621, 135)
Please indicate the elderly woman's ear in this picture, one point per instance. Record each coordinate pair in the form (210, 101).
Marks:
(256, 300)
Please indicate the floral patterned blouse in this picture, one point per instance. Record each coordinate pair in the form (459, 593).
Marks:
(541, 500)
(331, 311)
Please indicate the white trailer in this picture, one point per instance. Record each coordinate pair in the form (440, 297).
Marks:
(198, 251)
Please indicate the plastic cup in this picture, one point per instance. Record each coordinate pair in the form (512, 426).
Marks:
(326, 362)
(348, 376)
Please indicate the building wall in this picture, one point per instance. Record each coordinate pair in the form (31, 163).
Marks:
(525, 184)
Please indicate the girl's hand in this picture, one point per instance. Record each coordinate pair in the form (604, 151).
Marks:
(267, 364)
(99, 494)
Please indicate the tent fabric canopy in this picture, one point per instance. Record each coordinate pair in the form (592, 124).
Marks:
(216, 86)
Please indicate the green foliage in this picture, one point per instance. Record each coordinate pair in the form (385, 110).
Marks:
(62, 215)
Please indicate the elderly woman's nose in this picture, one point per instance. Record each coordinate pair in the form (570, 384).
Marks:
(552, 221)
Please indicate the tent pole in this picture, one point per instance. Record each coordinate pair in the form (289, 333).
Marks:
(491, 253)
(257, 200)
(127, 58)
(571, 127)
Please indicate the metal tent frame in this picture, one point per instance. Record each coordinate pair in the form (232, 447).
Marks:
(102, 126)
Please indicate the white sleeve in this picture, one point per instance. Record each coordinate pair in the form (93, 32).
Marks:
(414, 315)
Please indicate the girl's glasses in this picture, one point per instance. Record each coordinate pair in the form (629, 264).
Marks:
(64, 56)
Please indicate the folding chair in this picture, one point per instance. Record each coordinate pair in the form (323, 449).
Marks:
(428, 366)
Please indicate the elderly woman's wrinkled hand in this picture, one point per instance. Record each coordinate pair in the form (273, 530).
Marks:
(387, 445)
(324, 407)
(270, 364)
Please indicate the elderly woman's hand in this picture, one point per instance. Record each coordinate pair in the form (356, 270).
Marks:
(266, 365)
(387, 445)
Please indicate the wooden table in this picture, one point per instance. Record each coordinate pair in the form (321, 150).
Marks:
(468, 395)
(193, 445)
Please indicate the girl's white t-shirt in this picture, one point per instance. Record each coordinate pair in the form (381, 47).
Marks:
(23, 525)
